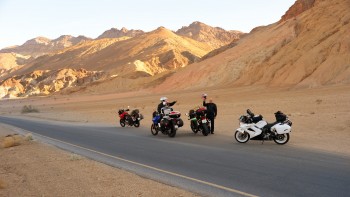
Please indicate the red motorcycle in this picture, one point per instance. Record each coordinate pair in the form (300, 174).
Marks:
(132, 119)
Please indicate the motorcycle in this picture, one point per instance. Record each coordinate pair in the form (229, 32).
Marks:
(199, 121)
(132, 119)
(167, 123)
(253, 127)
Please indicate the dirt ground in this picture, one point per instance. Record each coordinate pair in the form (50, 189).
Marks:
(36, 169)
(320, 116)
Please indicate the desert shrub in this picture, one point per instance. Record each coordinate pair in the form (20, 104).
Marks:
(28, 137)
(318, 101)
(29, 109)
(11, 140)
(75, 157)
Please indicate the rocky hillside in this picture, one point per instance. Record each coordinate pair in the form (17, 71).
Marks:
(44, 82)
(214, 36)
(41, 45)
(151, 53)
(116, 33)
(308, 50)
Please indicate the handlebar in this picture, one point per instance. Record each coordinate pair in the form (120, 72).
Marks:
(250, 113)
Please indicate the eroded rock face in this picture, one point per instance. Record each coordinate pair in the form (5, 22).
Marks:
(45, 82)
(299, 7)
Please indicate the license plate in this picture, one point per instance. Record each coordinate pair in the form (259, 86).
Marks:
(204, 121)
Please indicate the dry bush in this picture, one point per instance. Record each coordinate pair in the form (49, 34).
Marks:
(2, 184)
(12, 140)
(28, 137)
(75, 157)
(318, 101)
(29, 109)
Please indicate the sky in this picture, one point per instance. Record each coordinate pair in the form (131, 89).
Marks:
(21, 20)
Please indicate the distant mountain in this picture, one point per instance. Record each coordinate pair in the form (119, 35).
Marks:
(121, 59)
(214, 36)
(41, 45)
(152, 53)
(116, 33)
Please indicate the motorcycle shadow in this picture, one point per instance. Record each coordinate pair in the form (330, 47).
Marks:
(190, 134)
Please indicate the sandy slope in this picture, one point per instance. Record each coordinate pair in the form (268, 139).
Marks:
(305, 51)
(320, 116)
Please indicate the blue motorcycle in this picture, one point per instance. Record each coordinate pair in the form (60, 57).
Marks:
(167, 122)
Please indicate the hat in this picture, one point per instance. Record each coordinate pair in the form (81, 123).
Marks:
(278, 112)
(163, 98)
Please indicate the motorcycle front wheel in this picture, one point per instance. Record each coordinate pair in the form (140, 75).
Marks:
(194, 127)
(122, 123)
(137, 123)
(205, 130)
(281, 138)
(154, 130)
(242, 137)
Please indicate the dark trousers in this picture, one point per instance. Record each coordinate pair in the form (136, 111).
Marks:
(211, 118)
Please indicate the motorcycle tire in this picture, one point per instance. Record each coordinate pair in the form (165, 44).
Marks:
(281, 139)
(154, 130)
(205, 130)
(122, 123)
(242, 137)
(194, 127)
(172, 132)
(137, 124)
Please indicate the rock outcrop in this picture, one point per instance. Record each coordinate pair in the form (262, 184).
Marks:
(45, 82)
(299, 7)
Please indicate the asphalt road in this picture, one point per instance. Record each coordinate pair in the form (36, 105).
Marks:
(214, 165)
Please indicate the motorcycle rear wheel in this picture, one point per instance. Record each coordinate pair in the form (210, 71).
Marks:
(242, 137)
(154, 130)
(172, 132)
(122, 123)
(281, 139)
(205, 130)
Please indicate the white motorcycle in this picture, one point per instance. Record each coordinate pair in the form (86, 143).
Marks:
(253, 127)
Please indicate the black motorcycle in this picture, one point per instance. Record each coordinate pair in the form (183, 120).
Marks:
(199, 121)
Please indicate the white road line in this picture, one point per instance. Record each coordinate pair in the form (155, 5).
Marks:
(153, 168)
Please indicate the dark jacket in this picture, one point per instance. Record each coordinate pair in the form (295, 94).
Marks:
(160, 106)
(211, 108)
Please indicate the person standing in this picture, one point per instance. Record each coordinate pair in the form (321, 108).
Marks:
(211, 111)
